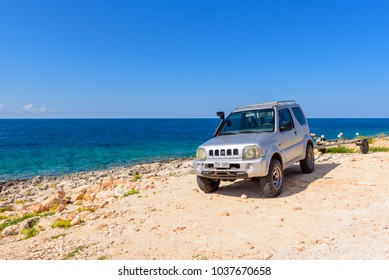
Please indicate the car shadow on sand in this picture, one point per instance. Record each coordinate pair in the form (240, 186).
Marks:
(294, 182)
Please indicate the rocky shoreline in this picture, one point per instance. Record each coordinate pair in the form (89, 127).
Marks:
(153, 166)
(41, 201)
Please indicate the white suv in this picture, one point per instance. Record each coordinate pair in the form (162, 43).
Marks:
(256, 143)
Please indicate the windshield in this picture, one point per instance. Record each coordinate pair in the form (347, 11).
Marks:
(255, 121)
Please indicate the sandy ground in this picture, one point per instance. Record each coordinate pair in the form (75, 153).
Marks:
(337, 212)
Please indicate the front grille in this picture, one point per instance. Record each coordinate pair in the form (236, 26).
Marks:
(223, 153)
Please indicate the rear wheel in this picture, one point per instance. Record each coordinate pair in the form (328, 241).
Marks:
(364, 146)
(308, 164)
(207, 185)
(272, 183)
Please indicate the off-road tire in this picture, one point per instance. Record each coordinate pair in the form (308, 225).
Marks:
(307, 165)
(364, 146)
(207, 185)
(272, 182)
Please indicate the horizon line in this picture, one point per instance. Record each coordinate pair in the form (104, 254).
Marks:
(153, 118)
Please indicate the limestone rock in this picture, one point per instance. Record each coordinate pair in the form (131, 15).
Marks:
(29, 223)
(94, 189)
(102, 205)
(102, 226)
(84, 215)
(60, 194)
(48, 203)
(69, 216)
(108, 183)
(78, 194)
(45, 224)
(60, 208)
(19, 207)
(76, 220)
(65, 184)
(10, 231)
(37, 208)
(90, 197)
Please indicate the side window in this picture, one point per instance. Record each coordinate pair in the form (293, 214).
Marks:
(284, 116)
(299, 115)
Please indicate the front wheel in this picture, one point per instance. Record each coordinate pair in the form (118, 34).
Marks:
(272, 183)
(307, 165)
(207, 185)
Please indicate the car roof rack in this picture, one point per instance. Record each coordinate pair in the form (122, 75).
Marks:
(268, 104)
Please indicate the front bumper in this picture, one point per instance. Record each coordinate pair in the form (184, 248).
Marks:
(239, 169)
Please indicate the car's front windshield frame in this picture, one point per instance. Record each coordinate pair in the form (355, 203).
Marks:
(249, 121)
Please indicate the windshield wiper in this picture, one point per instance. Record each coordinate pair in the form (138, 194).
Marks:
(250, 131)
(227, 133)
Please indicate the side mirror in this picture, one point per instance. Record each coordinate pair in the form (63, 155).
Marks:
(221, 115)
(286, 125)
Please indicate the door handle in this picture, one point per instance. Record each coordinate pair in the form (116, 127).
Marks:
(295, 133)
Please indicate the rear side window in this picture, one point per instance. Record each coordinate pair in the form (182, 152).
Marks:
(284, 115)
(299, 115)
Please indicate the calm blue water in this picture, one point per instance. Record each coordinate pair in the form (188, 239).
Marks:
(55, 147)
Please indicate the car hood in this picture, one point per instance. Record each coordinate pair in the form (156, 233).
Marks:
(237, 139)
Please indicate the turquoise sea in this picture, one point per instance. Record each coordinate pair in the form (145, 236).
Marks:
(58, 146)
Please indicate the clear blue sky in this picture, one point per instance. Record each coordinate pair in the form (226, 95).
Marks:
(180, 58)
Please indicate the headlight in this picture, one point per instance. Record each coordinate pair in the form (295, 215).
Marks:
(200, 154)
(250, 152)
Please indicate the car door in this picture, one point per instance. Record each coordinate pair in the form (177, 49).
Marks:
(290, 145)
(301, 127)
